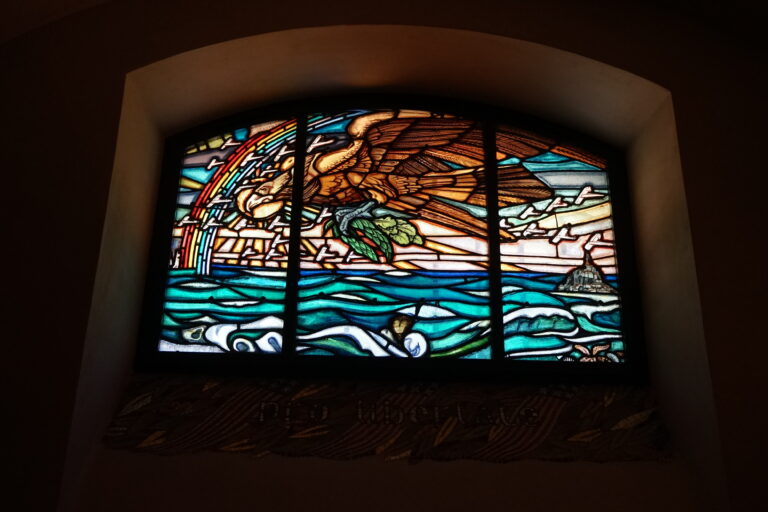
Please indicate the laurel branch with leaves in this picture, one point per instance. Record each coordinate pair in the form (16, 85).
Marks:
(368, 235)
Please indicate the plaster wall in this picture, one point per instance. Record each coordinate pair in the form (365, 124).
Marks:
(63, 87)
(608, 103)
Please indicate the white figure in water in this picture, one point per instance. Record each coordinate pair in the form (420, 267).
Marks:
(398, 340)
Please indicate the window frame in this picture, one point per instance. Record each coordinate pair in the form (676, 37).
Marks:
(287, 364)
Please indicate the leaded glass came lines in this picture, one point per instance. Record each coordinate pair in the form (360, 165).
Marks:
(393, 249)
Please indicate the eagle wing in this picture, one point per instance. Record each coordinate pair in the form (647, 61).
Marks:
(427, 166)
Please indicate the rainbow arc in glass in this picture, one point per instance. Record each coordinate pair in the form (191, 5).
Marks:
(408, 237)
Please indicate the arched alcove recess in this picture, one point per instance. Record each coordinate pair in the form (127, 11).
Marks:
(564, 88)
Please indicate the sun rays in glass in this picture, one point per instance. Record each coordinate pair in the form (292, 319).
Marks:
(393, 255)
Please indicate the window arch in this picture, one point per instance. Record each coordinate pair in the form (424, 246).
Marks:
(395, 266)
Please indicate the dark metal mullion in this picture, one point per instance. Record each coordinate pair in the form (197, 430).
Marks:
(294, 244)
(494, 254)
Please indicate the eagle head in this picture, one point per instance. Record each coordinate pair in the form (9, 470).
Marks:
(266, 198)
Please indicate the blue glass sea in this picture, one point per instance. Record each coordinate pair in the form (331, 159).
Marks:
(393, 313)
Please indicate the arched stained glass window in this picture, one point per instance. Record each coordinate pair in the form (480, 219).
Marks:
(364, 238)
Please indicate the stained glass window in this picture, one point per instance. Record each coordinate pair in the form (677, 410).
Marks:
(229, 250)
(558, 261)
(415, 234)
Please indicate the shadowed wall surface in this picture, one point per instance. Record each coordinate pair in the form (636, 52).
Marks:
(63, 85)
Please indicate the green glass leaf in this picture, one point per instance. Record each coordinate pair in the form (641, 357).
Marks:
(376, 235)
(401, 238)
(400, 231)
(386, 222)
(360, 247)
(407, 228)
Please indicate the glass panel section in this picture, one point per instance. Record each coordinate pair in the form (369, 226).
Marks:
(394, 253)
(229, 252)
(558, 260)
